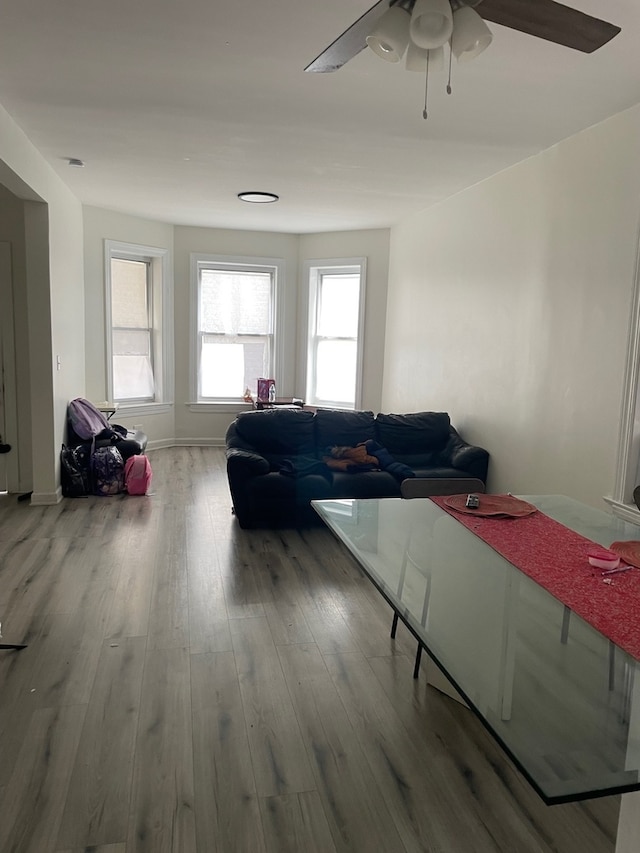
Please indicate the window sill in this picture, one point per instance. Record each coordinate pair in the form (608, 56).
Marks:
(221, 407)
(627, 512)
(335, 407)
(136, 409)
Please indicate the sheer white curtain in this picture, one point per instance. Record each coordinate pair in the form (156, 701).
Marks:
(131, 330)
(235, 326)
(335, 350)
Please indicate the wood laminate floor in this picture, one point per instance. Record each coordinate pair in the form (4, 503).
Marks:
(189, 686)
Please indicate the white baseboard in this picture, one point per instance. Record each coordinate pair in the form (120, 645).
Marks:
(160, 443)
(46, 498)
(198, 442)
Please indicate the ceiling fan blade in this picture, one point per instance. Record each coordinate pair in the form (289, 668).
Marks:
(549, 20)
(351, 42)
(545, 19)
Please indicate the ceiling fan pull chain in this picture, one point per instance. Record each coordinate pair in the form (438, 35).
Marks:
(425, 115)
(449, 80)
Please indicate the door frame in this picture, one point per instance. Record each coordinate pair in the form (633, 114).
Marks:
(8, 391)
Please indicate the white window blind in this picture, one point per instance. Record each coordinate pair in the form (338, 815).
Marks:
(131, 330)
(235, 330)
(334, 346)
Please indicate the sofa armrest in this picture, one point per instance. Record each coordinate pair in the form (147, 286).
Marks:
(246, 463)
(243, 460)
(243, 467)
(465, 457)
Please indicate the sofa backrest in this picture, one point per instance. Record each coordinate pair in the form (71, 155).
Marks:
(414, 438)
(278, 431)
(343, 429)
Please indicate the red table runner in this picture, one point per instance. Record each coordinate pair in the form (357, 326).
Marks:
(555, 557)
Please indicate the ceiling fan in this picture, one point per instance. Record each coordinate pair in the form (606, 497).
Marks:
(545, 19)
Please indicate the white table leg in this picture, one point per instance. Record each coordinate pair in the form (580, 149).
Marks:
(628, 839)
(508, 650)
(507, 658)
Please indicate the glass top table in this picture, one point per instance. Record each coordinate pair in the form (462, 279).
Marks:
(559, 697)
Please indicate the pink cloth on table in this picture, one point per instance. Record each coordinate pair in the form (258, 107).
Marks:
(555, 557)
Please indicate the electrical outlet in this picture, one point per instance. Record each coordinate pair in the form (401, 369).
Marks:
(138, 427)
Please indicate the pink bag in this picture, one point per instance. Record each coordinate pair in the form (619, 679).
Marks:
(137, 475)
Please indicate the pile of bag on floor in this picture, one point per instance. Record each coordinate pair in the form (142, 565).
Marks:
(101, 458)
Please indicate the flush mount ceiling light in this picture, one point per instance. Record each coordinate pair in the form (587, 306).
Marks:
(423, 27)
(258, 197)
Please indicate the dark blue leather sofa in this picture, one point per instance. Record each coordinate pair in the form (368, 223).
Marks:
(275, 459)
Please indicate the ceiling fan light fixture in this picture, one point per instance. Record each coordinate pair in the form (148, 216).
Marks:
(431, 23)
(390, 36)
(417, 58)
(470, 34)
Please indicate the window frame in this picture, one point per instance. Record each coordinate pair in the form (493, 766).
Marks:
(627, 474)
(314, 270)
(148, 329)
(231, 263)
(160, 294)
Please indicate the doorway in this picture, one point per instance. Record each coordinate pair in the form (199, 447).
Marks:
(9, 476)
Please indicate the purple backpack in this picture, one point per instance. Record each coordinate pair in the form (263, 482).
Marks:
(107, 471)
(86, 421)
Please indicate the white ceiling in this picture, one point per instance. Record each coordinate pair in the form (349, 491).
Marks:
(177, 106)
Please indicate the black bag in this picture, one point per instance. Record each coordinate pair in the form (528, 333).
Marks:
(74, 471)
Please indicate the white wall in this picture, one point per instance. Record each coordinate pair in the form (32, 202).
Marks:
(509, 305)
(52, 314)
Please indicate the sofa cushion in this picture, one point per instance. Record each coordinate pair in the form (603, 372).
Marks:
(273, 490)
(337, 428)
(417, 461)
(366, 484)
(413, 433)
(280, 431)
